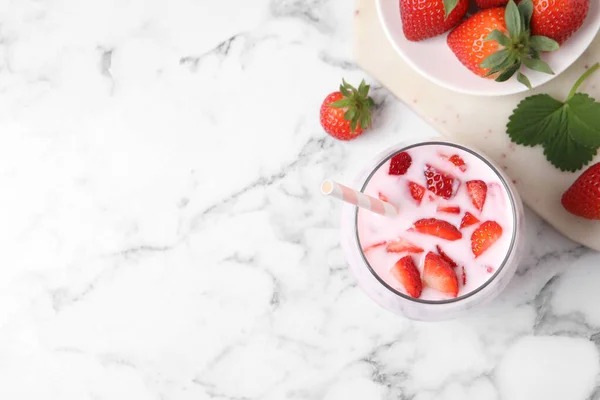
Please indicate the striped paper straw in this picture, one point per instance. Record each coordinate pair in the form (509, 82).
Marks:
(359, 199)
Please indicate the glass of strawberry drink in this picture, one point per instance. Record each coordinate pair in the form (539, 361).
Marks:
(457, 239)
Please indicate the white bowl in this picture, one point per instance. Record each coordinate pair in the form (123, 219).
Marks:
(433, 58)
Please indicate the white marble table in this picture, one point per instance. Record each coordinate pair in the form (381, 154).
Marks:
(163, 237)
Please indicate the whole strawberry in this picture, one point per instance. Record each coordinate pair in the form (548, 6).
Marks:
(496, 42)
(583, 197)
(422, 19)
(558, 19)
(490, 3)
(346, 113)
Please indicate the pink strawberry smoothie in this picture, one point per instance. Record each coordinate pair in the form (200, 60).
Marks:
(476, 248)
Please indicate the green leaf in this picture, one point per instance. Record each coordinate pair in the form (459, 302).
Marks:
(499, 37)
(565, 153)
(449, 6)
(524, 80)
(344, 91)
(495, 59)
(513, 20)
(341, 103)
(501, 67)
(363, 89)
(535, 120)
(508, 72)
(364, 120)
(543, 43)
(353, 125)
(349, 115)
(537, 65)
(583, 113)
(526, 11)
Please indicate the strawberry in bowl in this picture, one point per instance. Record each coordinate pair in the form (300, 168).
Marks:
(458, 67)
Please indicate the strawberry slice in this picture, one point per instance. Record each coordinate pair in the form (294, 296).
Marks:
(437, 227)
(446, 257)
(468, 220)
(416, 191)
(383, 197)
(440, 183)
(449, 209)
(458, 161)
(478, 192)
(401, 245)
(439, 275)
(464, 276)
(373, 246)
(400, 163)
(407, 274)
(485, 236)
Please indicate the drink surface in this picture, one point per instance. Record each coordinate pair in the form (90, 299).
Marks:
(450, 173)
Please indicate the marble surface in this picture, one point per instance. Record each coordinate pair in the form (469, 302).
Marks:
(164, 237)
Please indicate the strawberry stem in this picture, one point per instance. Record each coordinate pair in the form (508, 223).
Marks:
(582, 78)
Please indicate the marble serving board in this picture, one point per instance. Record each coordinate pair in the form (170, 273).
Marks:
(481, 121)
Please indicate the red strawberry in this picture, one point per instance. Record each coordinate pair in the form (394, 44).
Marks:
(478, 192)
(583, 197)
(373, 246)
(558, 19)
(464, 276)
(439, 275)
(346, 113)
(440, 183)
(437, 227)
(400, 163)
(416, 191)
(401, 245)
(490, 3)
(422, 19)
(458, 161)
(473, 46)
(446, 257)
(449, 209)
(383, 197)
(461, 40)
(407, 274)
(485, 236)
(468, 220)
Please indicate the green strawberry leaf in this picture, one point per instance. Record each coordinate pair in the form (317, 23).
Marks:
(349, 115)
(526, 11)
(569, 132)
(501, 67)
(495, 59)
(449, 6)
(584, 119)
(535, 120)
(341, 103)
(364, 121)
(363, 89)
(344, 91)
(538, 65)
(543, 43)
(565, 153)
(508, 72)
(499, 37)
(513, 20)
(524, 80)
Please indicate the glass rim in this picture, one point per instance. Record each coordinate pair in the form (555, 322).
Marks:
(509, 252)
